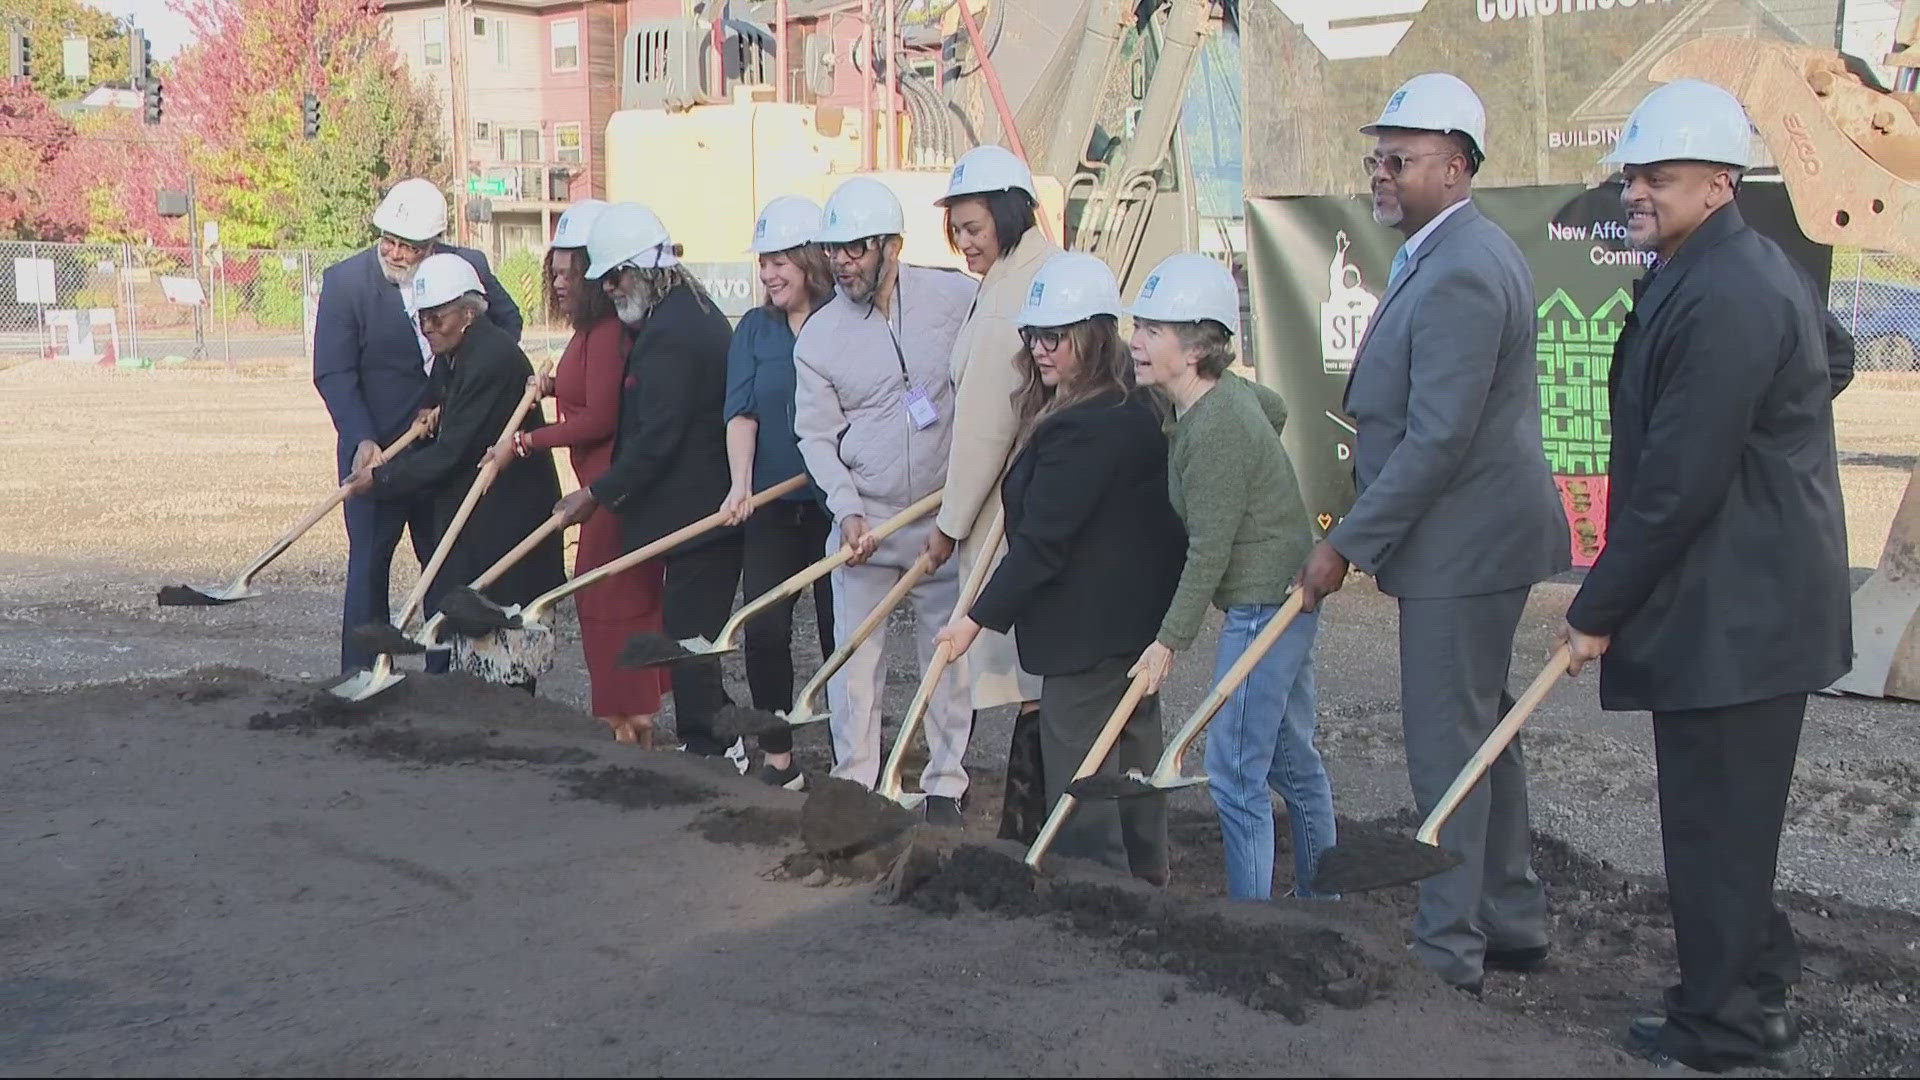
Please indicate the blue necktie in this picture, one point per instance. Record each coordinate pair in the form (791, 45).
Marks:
(1399, 264)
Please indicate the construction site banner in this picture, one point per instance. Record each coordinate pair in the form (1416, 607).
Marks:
(1558, 76)
(1319, 267)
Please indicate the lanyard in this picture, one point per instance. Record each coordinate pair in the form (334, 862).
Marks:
(899, 304)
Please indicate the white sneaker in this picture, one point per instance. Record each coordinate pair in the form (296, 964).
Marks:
(737, 753)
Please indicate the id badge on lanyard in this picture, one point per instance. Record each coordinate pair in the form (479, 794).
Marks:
(920, 407)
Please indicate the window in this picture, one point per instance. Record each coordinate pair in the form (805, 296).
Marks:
(566, 143)
(564, 37)
(433, 40)
(483, 131)
(500, 42)
(519, 144)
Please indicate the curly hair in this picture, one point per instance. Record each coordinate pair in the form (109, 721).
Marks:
(589, 302)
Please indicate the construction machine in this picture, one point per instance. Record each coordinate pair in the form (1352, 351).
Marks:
(1849, 153)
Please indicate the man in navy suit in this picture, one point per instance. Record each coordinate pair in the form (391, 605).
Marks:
(374, 368)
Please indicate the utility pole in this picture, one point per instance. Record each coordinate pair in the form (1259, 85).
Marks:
(457, 110)
(891, 53)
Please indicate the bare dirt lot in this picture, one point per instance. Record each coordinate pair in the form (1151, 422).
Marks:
(200, 874)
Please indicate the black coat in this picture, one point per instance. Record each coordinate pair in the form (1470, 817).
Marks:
(670, 452)
(1724, 577)
(479, 386)
(1094, 549)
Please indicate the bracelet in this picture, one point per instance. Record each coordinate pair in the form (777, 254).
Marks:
(520, 447)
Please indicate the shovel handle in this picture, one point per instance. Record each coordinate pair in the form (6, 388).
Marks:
(1169, 766)
(1096, 757)
(890, 784)
(492, 467)
(803, 704)
(631, 559)
(820, 569)
(1494, 745)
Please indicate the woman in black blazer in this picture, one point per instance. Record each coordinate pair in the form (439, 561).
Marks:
(1094, 551)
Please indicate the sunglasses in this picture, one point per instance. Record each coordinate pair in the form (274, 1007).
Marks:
(1042, 338)
(1395, 163)
(852, 249)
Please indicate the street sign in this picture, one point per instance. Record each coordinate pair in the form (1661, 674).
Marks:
(491, 185)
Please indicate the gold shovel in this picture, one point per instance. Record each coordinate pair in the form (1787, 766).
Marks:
(365, 684)
(241, 588)
(1096, 756)
(653, 650)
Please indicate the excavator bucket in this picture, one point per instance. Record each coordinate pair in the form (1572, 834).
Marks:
(1886, 612)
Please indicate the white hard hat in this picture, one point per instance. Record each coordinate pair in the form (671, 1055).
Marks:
(859, 208)
(442, 279)
(786, 223)
(986, 169)
(414, 210)
(1071, 286)
(628, 234)
(577, 222)
(1686, 120)
(1435, 101)
(1189, 287)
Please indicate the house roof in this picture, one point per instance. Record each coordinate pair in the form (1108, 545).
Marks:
(1785, 20)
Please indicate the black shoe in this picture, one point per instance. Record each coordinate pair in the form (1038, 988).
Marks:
(790, 777)
(1527, 959)
(1780, 1036)
(944, 813)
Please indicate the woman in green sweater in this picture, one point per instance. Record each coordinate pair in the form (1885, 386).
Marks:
(1247, 537)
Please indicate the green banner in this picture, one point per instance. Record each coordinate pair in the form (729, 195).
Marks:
(1318, 267)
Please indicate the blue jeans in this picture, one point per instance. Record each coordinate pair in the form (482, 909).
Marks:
(1263, 737)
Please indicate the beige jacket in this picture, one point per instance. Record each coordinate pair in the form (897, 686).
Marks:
(986, 375)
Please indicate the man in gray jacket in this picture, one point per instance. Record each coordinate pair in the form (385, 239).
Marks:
(1457, 516)
(873, 410)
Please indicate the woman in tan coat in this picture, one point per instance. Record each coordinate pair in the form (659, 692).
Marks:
(991, 209)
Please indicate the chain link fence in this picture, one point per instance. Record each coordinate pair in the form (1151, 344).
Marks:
(140, 306)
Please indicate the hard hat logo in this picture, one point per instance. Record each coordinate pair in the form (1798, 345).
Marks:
(1146, 291)
(1039, 290)
(1394, 102)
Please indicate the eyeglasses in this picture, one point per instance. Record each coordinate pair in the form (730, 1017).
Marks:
(438, 319)
(852, 249)
(1042, 338)
(1396, 162)
(408, 246)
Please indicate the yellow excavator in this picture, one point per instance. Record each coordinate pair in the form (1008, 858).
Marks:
(1849, 154)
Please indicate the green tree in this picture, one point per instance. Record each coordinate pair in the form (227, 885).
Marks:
(49, 24)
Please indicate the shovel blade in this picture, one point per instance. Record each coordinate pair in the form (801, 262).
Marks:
(807, 718)
(188, 596)
(365, 684)
(1362, 863)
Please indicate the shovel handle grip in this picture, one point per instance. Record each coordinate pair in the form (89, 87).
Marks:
(1169, 766)
(890, 784)
(1494, 745)
(1096, 757)
(631, 559)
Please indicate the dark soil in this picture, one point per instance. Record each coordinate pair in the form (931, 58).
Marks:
(1365, 859)
(444, 748)
(750, 826)
(319, 710)
(470, 614)
(186, 596)
(1266, 957)
(652, 650)
(738, 721)
(208, 692)
(635, 789)
(385, 638)
(841, 817)
(1109, 786)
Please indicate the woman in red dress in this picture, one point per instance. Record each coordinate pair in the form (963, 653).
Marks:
(588, 383)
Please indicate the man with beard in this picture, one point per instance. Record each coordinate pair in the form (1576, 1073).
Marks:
(373, 368)
(1456, 514)
(873, 409)
(669, 465)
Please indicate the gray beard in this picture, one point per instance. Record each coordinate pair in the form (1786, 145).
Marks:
(1389, 218)
(402, 278)
(630, 310)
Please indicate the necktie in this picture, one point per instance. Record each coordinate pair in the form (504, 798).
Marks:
(1399, 264)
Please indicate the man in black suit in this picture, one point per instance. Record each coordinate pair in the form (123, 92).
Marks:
(669, 464)
(373, 368)
(1721, 599)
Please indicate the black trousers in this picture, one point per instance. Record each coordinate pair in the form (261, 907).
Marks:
(782, 539)
(696, 600)
(1723, 778)
(1128, 835)
(373, 532)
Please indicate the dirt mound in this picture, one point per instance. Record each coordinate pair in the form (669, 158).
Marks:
(317, 709)
(1270, 959)
(841, 817)
(755, 826)
(445, 748)
(635, 789)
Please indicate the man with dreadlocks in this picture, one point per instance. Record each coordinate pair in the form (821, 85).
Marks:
(669, 465)
(873, 410)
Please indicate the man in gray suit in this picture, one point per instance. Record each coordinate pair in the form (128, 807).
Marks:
(1457, 516)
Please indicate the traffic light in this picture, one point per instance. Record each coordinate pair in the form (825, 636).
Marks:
(310, 115)
(155, 101)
